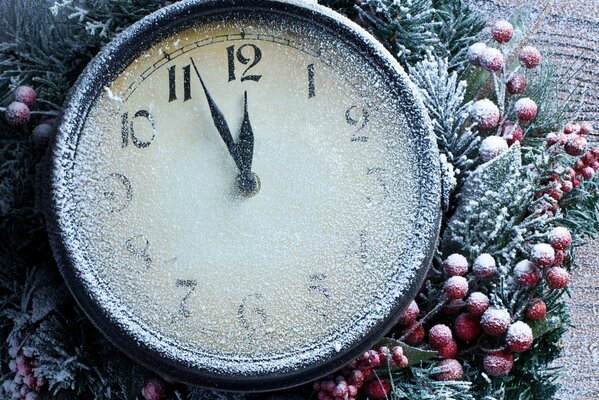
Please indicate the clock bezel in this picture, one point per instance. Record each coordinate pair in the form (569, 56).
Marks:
(116, 56)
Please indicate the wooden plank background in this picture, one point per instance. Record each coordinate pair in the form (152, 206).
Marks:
(569, 35)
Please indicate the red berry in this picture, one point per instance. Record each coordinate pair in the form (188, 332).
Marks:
(456, 287)
(552, 138)
(26, 95)
(408, 317)
(17, 114)
(356, 378)
(475, 53)
(588, 158)
(42, 133)
(154, 389)
(377, 388)
(467, 327)
(526, 109)
(502, 31)
(492, 147)
(519, 337)
(542, 255)
(416, 337)
(566, 186)
(484, 266)
(477, 303)
(572, 128)
(492, 59)
(495, 321)
(576, 146)
(516, 84)
(455, 265)
(575, 183)
(587, 173)
(498, 363)
(512, 132)
(586, 128)
(451, 370)
(560, 238)
(557, 278)
(439, 336)
(485, 113)
(595, 165)
(560, 256)
(526, 273)
(398, 357)
(536, 310)
(450, 350)
(530, 57)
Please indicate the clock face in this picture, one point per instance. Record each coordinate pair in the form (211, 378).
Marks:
(242, 194)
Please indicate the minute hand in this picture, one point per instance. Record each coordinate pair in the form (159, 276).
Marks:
(220, 123)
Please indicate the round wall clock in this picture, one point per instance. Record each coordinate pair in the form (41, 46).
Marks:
(245, 194)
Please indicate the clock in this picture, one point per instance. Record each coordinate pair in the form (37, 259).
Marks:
(244, 195)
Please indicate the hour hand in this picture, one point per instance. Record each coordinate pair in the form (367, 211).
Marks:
(246, 138)
(220, 123)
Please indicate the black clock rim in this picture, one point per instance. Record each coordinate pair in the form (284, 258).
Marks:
(172, 18)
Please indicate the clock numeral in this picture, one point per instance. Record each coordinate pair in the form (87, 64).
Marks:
(187, 283)
(357, 118)
(256, 57)
(172, 83)
(317, 287)
(128, 129)
(138, 247)
(117, 191)
(251, 315)
(311, 84)
(377, 174)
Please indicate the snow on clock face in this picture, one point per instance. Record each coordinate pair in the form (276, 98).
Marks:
(245, 196)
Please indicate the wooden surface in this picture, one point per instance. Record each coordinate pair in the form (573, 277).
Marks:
(569, 35)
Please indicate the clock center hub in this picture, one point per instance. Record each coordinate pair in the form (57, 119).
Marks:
(248, 184)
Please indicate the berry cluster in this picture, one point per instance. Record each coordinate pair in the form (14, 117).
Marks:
(25, 385)
(359, 376)
(18, 112)
(154, 389)
(486, 114)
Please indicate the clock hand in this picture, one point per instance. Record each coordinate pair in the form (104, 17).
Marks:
(247, 180)
(220, 123)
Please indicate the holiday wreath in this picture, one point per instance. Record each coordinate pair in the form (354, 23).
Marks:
(487, 322)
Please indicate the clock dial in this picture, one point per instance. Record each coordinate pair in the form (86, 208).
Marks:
(248, 191)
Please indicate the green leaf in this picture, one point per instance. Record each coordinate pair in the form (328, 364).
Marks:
(545, 325)
(414, 354)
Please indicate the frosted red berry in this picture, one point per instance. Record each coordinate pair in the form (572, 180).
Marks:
(495, 321)
(526, 109)
(572, 128)
(536, 310)
(26, 95)
(42, 133)
(456, 287)
(576, 145)
(377, 388)
(552, 138)
(586, 128)
(477, 303)
(484, 266)
(557, 278)
(467, 327)
(492, 59)
(450, 370)
(560, 238)
(516, 83)
(398, 357)
(416, 337)
(439, 336)
(498, 363)
(560, 257)
(519, 337)
(529, 57)
(511, 132)
(485, 113)
(492, 147)
(455, 265)
(502, 31)
(475, 52)
(450, 350)
(408, 317)
(154, 389)
(587, 173)
(542, 255)
(526, 273)
(17, 114)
